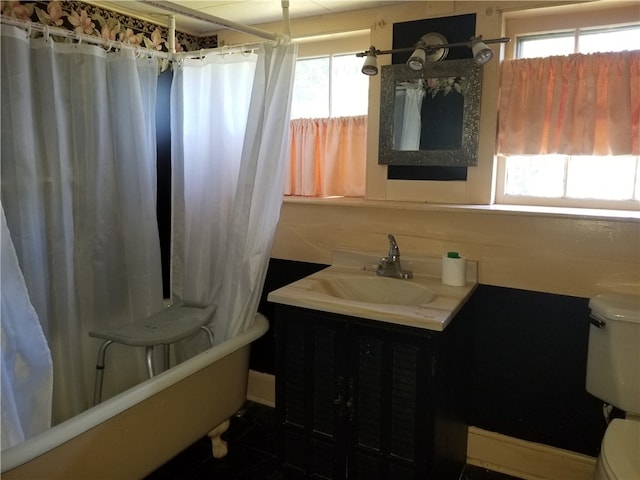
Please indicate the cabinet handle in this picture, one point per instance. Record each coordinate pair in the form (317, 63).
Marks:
(338, 401)
(350, 402)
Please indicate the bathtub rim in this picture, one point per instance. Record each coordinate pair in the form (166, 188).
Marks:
(22, 453)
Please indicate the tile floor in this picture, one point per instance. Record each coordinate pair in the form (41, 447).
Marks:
(251, 439)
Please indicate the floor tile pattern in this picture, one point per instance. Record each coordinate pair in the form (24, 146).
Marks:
(251, 439)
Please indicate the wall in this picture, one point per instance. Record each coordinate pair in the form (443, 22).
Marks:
(554, 251)
(477, 188)
(111, 24)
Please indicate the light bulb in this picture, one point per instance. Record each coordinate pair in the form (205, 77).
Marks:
(481, 52)
(417, 59)
(370, 66)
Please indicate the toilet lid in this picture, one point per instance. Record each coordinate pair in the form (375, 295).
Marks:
(621, 449)
(615, 306)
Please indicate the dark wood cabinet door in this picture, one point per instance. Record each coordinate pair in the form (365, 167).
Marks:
(310, 393)
(390, 420)
(368, 400)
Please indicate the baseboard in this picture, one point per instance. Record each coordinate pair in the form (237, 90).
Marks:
(261, 388)
(526, 460)
(494, 451)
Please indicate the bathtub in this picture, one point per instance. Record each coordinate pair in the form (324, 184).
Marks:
(135, 432)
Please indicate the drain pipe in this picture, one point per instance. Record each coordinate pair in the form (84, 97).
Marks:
(238, 27)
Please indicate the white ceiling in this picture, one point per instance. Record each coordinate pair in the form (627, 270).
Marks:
(247, 12)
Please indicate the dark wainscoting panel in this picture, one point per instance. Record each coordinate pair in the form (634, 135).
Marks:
(163, 171)
(530, 356)
(279, 274)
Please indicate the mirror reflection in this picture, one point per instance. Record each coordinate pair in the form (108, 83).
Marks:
(430, 117)
(428, 114)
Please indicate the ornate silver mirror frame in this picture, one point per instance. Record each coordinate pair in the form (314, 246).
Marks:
(468, 77)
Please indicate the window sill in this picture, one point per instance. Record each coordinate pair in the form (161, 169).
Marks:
(501, 209)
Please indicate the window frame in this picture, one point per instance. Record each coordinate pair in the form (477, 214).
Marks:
(500, 196)
(329, 46)
(569, 202)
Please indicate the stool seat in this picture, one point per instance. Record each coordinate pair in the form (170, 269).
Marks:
(168, 326)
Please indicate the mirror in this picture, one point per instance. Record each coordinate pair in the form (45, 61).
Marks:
(430, 116)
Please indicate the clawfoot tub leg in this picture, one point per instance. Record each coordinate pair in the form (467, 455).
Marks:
(218, 445)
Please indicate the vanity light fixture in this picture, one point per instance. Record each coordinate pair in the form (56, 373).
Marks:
(481, 52)
(417, 59)
(370, 66)
(431, 47)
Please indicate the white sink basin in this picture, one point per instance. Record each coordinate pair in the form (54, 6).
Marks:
(373, 289)
(346, 288)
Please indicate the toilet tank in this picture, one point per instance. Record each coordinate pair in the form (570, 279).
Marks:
(613, 361)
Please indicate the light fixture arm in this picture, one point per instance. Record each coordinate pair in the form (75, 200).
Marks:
(431, 48)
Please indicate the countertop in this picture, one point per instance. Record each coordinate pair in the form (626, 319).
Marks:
(433, 315)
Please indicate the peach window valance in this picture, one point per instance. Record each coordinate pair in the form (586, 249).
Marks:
(328, 157)
(574, 105)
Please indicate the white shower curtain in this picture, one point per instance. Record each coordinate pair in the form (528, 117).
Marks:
(78, 191)
(230, 127)
(25, 366)
(408, 116)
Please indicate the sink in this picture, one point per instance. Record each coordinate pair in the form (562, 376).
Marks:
(381, 290)
(346, 288)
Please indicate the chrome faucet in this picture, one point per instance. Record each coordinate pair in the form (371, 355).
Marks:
(390, 266)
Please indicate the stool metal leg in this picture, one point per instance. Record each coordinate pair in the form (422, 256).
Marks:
(167, 355)
(209, 333)
(97, 388)
(149, 360)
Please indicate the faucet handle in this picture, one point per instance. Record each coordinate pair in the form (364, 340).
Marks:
(394, 251)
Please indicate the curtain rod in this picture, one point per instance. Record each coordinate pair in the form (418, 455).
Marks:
(80, 37)
(172, 7)
(222, 50)
(60, 32)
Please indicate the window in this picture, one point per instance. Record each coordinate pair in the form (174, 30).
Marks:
(330, 86)
(615, 39)
(572, 181)
(563, 180)
(328, 119)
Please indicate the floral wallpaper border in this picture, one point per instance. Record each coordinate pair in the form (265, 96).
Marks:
(90, 20)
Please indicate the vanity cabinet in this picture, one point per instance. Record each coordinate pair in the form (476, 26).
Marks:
(364, 399)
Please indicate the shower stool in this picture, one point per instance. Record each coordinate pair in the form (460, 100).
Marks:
(168, 326)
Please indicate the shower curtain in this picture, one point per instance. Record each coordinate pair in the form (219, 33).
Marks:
(230, 127)
(408, 116)
(78, 191)
(25, 366)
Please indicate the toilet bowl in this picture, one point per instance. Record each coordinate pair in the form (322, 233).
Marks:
(620, 453)
(613, 376)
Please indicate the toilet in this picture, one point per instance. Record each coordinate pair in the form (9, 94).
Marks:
(613, 375)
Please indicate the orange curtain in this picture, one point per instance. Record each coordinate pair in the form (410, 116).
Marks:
(573, 105)
(328, 157)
